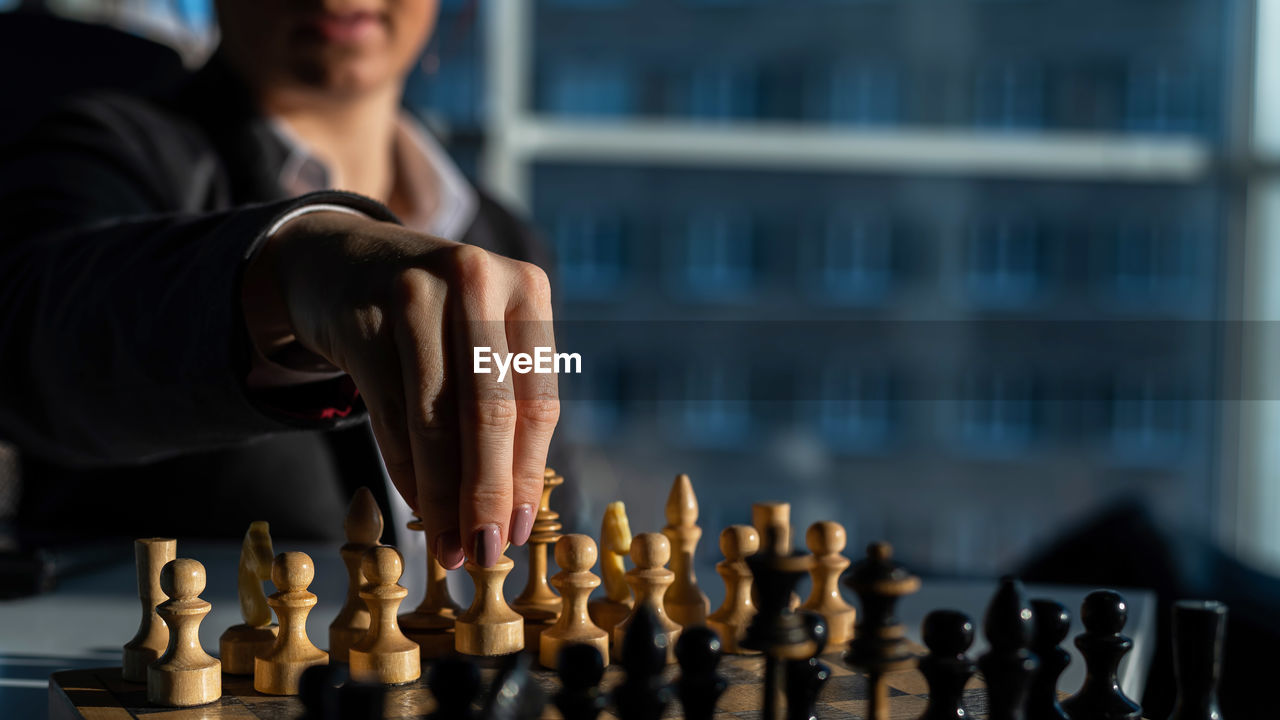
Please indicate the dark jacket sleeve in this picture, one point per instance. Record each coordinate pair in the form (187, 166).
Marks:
(121, 332)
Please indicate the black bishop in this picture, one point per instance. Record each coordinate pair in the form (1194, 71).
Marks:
(1009, 665)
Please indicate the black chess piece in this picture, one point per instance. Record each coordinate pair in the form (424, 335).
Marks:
(806, 678)
(1052, 623)
(581, 668)
(701, 684)
(318, 690)
(776, 630)
(362, 701)
(948, 634)
(516, 693)
(455, 685)
(328, 693)
(1100, 698)
(1009, 665)
(643, 695)
(1199, 630)
(880, 643)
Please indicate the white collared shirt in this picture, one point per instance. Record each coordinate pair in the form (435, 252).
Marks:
(441, 201)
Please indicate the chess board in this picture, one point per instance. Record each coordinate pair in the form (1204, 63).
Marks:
(100, 694)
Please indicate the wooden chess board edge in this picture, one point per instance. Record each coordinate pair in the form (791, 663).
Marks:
(81, 695)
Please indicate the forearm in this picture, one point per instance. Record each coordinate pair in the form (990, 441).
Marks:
(127, 342)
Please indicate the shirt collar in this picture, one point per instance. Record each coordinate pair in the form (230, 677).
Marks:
(441, 200)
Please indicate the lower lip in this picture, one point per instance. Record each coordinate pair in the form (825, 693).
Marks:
(347, 30)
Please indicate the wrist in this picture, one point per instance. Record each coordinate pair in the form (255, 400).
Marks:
(277, 352)
(266, 316)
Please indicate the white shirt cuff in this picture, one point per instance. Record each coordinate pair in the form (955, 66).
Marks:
(267, 374)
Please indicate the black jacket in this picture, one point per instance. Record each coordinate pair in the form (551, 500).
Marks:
(124, 225)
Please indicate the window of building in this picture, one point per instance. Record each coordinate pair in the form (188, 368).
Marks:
(714, 406)
(1004, 264)
(1163, 98)
(998, 413)
(853, 260)
(723, 90)
(1149, 421)
(588, 87)
(1150, 264)
(853, 408)
(453, 93)
(589, 253)
(1009, 95)
(714, 256)
(858, 94)
(593, 401)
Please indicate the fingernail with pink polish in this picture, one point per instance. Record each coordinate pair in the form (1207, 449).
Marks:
(488, 546)
(449, 550)
(521, 524)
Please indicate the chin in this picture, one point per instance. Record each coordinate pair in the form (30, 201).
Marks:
(346, 76)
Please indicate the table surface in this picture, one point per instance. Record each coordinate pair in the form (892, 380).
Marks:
(90, 615)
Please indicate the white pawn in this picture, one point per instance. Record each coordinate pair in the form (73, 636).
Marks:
(730, 621)
(185, 674)
(278, 672)
(649, 580)
(489, 627)
(384, 654)
(576, 555)
(826, 540)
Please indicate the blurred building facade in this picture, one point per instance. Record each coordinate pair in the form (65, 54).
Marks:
(769, 299)
(943, 270)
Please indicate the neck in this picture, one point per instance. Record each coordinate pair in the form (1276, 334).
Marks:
(353, 137)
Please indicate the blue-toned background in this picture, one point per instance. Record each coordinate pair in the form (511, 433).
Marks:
(1048, 160)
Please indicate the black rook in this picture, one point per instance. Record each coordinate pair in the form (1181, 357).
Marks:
(1199, 629)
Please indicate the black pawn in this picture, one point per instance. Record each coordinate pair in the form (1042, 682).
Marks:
(642, 694)
(948, 634)
(318, 690)
(455, 685)
(1009, 665)
(328, 693)
(1199, 629)
(362, 701)
(1053, 622)
(581, 669)
(701, 684)
(806, 678)
(1100, 698)
(516, 693)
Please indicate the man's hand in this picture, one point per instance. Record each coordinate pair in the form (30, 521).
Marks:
(400, 312)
